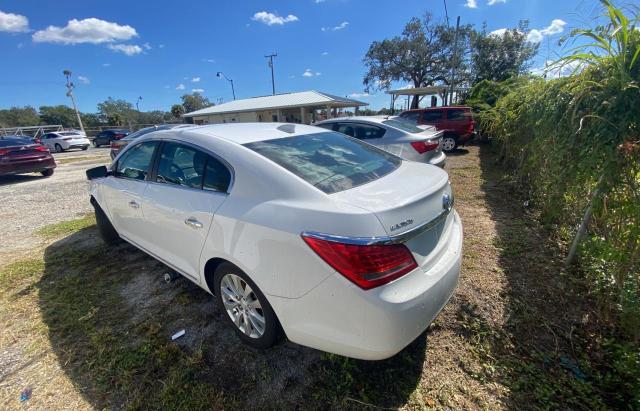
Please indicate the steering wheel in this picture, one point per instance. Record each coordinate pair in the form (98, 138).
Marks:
(177, 172)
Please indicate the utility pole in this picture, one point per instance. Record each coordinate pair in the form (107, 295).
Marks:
(270, 63)
(454, 60)
(70, 86)
(138, 101)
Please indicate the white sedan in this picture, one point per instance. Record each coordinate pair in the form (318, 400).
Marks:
(340, 245)
(65, 140)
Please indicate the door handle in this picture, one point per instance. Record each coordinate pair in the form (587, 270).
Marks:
(133, 204)
(193, 223)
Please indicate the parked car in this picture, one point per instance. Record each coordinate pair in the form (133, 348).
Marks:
(65, 140)
(456, 122)
(343, 246)
(118, 145)
(19, 154)
(393, 135)
(105, 137)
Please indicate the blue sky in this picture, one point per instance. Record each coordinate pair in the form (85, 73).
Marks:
(160, 50)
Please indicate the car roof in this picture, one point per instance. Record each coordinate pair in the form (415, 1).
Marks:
(243, 133)
(372, 119)
(439, 108)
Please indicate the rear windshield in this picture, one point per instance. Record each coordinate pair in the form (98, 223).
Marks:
(70, 133)
(139, 133)
(403, 125)
(329, 161)
(15, 141)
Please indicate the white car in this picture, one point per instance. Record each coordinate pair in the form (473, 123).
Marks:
(344, 247)
(65, 140)
(394, 135)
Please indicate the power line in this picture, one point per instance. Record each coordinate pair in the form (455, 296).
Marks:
(270, 63)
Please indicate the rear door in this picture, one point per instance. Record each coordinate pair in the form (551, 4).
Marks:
(124, 190)
(188, 187)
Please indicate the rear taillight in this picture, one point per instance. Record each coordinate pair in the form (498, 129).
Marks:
(118, 136)
(3, 151)
(68, 138)
(42, 148)
(114, 145)
(367, 266)
(423, 146)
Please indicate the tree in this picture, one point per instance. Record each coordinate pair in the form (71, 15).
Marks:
(61, 114)
(177, 110)
(91, 120)
(116, 112)
(423, 56)
(497, 57)
(19, 117)
(195, 101)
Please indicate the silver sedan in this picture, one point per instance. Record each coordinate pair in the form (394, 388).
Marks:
(393, 135)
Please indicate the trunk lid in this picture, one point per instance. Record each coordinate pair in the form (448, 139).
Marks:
(410, 197)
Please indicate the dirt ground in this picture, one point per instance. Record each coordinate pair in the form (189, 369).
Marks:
(89, 327)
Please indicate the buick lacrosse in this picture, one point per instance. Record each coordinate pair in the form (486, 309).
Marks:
(294, 229)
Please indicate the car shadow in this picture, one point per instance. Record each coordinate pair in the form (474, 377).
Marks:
(457, 152)
(19, 178)
(111, 318)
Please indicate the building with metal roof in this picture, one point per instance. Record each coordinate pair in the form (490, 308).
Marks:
(302, 107)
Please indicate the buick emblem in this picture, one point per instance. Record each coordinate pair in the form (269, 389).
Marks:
(447, 202)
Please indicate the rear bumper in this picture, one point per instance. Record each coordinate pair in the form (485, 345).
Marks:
(339, 317)
(30, 166)
(439, 160)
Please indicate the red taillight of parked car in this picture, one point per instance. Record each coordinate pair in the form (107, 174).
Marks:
(423, 146)
(42, 148)
(4, 151)
(118, 136)
(368, 266)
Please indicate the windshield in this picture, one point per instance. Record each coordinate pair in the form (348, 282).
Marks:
(403, 125)
(329, 161)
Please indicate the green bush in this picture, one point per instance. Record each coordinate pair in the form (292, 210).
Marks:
(571, 137)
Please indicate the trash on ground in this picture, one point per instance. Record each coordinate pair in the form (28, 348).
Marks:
(177, 335)
(25, 394)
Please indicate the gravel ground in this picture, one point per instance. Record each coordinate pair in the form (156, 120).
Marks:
(30, 201)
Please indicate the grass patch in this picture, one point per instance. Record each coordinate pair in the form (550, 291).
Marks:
(65, 228)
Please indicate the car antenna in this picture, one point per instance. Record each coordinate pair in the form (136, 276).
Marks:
(287, 128)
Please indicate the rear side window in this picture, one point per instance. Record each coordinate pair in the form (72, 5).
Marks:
(329, 161)
(328, 126)
(413, 116)
(136, 162)
(188, 167)
(360, 131)
(457, 114)
(432, 115)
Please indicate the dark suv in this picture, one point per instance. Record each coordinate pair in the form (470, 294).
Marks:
(104, 138)
(456, 122)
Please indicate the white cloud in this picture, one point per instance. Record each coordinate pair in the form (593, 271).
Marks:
(340, 26)
(498, 32)
(325, 53)
(556, 26)
(91, 30)
(147, 46)
(13, 23)
(553, 70)
(311, 73)
(160, 46)
(197, 90)
(128, 49)
(492, 2)
(209, 60)
(84, 80)
(359, 95)
(106, 64)
(180, 86)
(472, 4)
(195, 79)
(320, 1)
(534, 36)
(270, 19)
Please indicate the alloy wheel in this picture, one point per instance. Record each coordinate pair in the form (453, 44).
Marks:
(242, 305)
(448, 144)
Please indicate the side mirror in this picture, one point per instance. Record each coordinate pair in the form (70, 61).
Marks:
(97, 172)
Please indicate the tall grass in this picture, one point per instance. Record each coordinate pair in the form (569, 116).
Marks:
(570, 138)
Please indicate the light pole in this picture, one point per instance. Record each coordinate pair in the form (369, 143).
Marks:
(270, 63)
(70, 86)
(137, 102)
(221, 75)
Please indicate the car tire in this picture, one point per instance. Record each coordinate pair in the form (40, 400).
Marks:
(449, 143)
(47, 173)
(230, 282)
(58, 148)
(95, 143)
(84, 148)
(107, 231)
